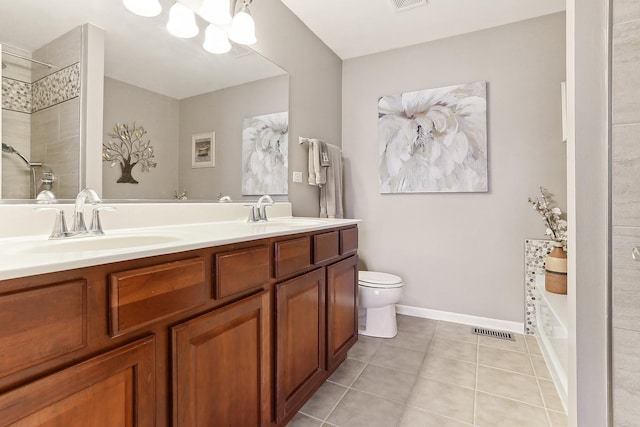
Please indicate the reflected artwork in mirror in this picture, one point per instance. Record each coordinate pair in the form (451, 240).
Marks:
(174, 86)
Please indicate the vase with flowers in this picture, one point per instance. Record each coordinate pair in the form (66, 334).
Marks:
(556, 262)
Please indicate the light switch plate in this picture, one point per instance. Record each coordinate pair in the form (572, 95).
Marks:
(297, 176)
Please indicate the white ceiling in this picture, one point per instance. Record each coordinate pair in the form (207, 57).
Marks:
(353, 28)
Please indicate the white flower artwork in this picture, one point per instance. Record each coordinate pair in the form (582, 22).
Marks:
(434, 140)
(265, 147)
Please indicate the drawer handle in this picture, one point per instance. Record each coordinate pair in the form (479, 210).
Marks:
(635, 253)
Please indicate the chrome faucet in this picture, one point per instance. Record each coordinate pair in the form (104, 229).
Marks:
(258, 211)
(86, 195)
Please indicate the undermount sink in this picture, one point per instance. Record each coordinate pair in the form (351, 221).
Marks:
(98, 243)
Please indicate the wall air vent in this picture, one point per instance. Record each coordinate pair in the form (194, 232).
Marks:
(399, 5)
(495, 334)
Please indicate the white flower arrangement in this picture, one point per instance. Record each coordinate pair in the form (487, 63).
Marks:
(552, 217)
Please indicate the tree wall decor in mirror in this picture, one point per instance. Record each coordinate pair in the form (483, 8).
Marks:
(174, 86)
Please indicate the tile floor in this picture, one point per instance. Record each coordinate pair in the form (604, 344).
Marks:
(433, 374)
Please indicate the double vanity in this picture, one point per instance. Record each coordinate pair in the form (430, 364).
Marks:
(181, 321)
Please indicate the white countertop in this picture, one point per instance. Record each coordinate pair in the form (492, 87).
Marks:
(36, 254)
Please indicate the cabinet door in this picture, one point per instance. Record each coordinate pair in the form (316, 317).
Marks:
(300, 342)
(114, 389)
(342, 309)
(221, 365)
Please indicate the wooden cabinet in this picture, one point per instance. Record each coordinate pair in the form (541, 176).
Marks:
(221, 366)
(237, 335)
(342, 309)
(300, 340)
(113, 389)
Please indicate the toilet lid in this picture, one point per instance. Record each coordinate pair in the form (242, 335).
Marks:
(375, 279)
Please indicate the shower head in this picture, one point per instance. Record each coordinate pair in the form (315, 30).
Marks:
(4, 65)
(8, 149)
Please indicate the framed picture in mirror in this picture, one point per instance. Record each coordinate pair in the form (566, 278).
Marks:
(203, 150)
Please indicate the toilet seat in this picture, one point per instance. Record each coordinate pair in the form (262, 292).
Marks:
(375, 279)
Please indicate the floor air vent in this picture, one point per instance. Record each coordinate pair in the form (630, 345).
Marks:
(399, 5)
(493, 334)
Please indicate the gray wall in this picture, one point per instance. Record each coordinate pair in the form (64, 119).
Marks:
(159, 114)
(450, 245)
(625, 174)
(222, 111)
(315, 83)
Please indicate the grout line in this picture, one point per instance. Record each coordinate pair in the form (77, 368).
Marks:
(439, 415)
(333, 408)
(509, 370)
(513, 400)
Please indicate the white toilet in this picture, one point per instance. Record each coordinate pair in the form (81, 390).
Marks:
(379, 293)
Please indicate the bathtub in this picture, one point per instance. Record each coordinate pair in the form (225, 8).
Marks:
(552, 334)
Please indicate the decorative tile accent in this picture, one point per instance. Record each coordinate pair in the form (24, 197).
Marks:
(55, 88)
(16, 95)
(535, 253)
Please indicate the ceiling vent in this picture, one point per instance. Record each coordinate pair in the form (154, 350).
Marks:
(399, 5)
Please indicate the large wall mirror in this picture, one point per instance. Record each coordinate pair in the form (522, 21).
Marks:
(193, 105)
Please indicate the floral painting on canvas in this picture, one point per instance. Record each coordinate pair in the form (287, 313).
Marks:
(434, 140)
(265, 146)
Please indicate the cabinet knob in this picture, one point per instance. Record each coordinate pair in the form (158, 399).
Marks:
(635, 253)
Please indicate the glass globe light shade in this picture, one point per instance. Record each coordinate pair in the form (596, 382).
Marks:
(216, 11)
(182, 22)
(146, 8)
(243, 28)
(215, 40)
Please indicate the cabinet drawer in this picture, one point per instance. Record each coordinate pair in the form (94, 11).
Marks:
(325, 246)
(292, 256)
(41, 324)
(144, 295)
(240, 270)
(349, 241)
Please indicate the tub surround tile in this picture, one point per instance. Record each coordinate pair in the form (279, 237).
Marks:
(625, 158)
(625, 11)
(626, 73)
(626, 275)
(505, 359)
(626, 359)
(16, 95)
(535, 254)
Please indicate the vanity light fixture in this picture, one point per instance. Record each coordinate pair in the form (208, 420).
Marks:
(215, 40)
(146, 8)
(243, 28)
(182, 22)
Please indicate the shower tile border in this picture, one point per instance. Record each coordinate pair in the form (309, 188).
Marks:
(535, 253)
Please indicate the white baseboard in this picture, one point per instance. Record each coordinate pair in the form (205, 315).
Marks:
(484, 322)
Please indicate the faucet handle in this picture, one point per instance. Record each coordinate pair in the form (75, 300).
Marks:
(59, 226)
(254, 214)
(96, 224)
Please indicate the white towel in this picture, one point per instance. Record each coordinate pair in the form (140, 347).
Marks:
(331, 193)
(317, 173)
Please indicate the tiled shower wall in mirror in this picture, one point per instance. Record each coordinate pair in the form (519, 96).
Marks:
(41, 116)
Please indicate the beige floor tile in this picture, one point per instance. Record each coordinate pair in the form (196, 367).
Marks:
(414, 417)
(443, 399)
(416, 324)
(495, 411)
(550, 394)
(301, 420)
(411, 340)
(456, 331)
(347, 373)
(453, 349)
(359, 409)
(505, 359)
(324, 400)
(398, 358)
(386, 383)
(449, 370)
(558, 419)
(509, 384)
(365, 348)
(540, 367)
(517, 345)
(532, 345)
